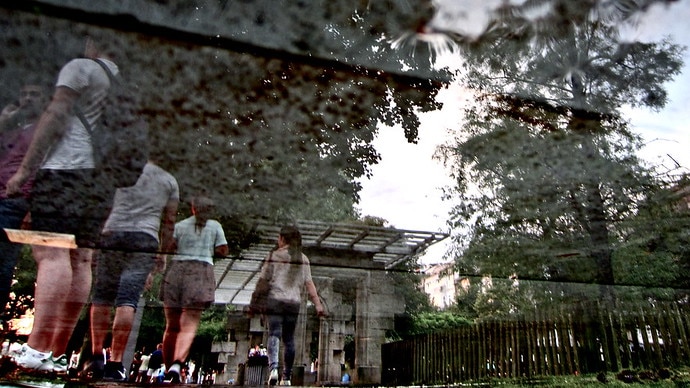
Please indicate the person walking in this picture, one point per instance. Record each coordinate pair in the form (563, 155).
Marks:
(129, 252)
(66, 198)
(17, 124)
(155, 363)
(142, 374)
(287, 271)
(189, 285)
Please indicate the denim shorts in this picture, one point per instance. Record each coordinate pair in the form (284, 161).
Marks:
(122, 265)
(12, 213)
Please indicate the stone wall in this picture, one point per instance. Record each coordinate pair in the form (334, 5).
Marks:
(356, 32)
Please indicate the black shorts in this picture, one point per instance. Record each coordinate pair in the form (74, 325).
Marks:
(72, 202)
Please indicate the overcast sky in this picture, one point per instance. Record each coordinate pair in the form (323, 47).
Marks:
(406, 185)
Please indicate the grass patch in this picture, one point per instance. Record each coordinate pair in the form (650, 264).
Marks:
(626, 378)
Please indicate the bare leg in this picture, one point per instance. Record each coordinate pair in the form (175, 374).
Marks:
(172, 330)
(53, 283)
(189, 323)
(122, 326)
(100, 324)
(80, 286)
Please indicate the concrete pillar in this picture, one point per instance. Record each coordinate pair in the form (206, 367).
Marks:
(362, 316)
(367, 338)
(376, 306)
(332, 333)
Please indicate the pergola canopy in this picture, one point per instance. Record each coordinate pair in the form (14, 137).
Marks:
(236, 277)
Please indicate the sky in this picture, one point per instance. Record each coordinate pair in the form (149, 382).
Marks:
(406, 186)
(666, 131)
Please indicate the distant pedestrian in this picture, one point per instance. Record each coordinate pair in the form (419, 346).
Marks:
(155, 364)
(287, 271)
(142, 374)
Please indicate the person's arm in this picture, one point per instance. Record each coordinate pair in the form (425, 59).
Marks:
(51, 126)
(168, 244)
(168, 226)
(314, 296)
(159, 267)
(256, 302)
(221, 251)
(7, 115)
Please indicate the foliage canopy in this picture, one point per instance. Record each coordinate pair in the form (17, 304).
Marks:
(546, 167)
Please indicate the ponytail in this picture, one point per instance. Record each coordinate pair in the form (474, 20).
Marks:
(293, 238)
(202, 207)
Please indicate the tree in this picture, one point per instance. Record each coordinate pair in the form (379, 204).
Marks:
(406, 280)
(655, 241)
(545, 165)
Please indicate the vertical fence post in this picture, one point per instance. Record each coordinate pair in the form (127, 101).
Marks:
(682, 339)
(671, 342)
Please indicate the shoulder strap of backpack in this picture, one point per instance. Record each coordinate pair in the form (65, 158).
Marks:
(105, 67)
(77, 111)
(82, 118)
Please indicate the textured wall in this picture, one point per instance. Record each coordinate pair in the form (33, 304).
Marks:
(348, 31)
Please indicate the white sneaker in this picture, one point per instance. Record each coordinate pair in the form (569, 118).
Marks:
(31, 359)
(285, 382)
(273, 377)
(60, 364)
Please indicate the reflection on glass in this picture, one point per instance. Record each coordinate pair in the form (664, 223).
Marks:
(566, 175)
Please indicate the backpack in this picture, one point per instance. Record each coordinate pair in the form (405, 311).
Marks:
(120, 142)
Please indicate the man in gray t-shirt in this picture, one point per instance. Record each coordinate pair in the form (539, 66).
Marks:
(130, 249)
(66, 198)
